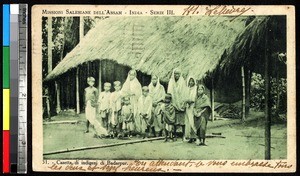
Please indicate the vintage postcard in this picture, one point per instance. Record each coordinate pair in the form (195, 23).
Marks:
(163, 88)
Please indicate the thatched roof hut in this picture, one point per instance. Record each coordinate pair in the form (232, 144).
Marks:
(156, 45)
(263, 34)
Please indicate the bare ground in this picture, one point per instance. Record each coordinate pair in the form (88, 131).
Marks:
(243, 141)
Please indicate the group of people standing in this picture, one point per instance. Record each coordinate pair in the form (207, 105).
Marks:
(135, 110)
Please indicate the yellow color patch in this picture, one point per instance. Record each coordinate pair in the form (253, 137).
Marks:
(6, 109)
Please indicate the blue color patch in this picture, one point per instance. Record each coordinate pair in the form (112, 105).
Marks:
(6, 24)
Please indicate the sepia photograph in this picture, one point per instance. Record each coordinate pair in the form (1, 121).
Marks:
(155, 85)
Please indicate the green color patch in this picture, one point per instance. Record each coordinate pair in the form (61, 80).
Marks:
(6, 65)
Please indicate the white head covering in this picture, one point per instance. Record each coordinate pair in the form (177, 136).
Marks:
(157, 92)
(132, 86)
(191, 91)
(177, 89)
(180, 82)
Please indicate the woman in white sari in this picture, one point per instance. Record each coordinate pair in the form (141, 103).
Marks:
(157, 92)
(177, 88)
(191, 93)
(132, 88)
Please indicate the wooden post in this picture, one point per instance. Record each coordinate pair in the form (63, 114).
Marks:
(100, 79)
(77, 92)
(244, 94)
(212, 98)
(57, 88)
(277, 88)
(88, 69)
(248, 91)
(267, 102)
(103, 145)
(278, 93)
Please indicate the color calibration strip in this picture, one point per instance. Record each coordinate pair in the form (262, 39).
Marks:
(6, 88)
(15, 88)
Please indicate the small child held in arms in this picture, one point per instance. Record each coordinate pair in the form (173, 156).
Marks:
(145, 112)
(115, 120)
(90, 96)
(127, 116)
(104, 107)
(168, 113)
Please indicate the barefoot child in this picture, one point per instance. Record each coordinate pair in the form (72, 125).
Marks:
(90, 94)
(144, 111)
(115, 120)
(103, 101)
(168, 113)
(127, 116)
(202, 111)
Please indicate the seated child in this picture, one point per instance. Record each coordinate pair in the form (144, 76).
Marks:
(103, 101)
(115, 120)
(144, 110)
(168, 113)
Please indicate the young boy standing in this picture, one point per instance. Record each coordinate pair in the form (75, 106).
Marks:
(115, 120)
(104, 107)
(168, 113)
(144, 111)
(127, 117)
(90, 95)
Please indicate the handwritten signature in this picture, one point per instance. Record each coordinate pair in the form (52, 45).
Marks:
(216, 10)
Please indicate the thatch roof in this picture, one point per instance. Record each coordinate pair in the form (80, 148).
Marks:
(263, 34)
(195, 44)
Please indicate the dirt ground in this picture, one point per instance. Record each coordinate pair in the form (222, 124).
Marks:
(243, 141)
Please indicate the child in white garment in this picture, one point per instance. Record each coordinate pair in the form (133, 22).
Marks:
(90, 96)
(90, 100)
(104, 105)
(145, 112)
(115, 119)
